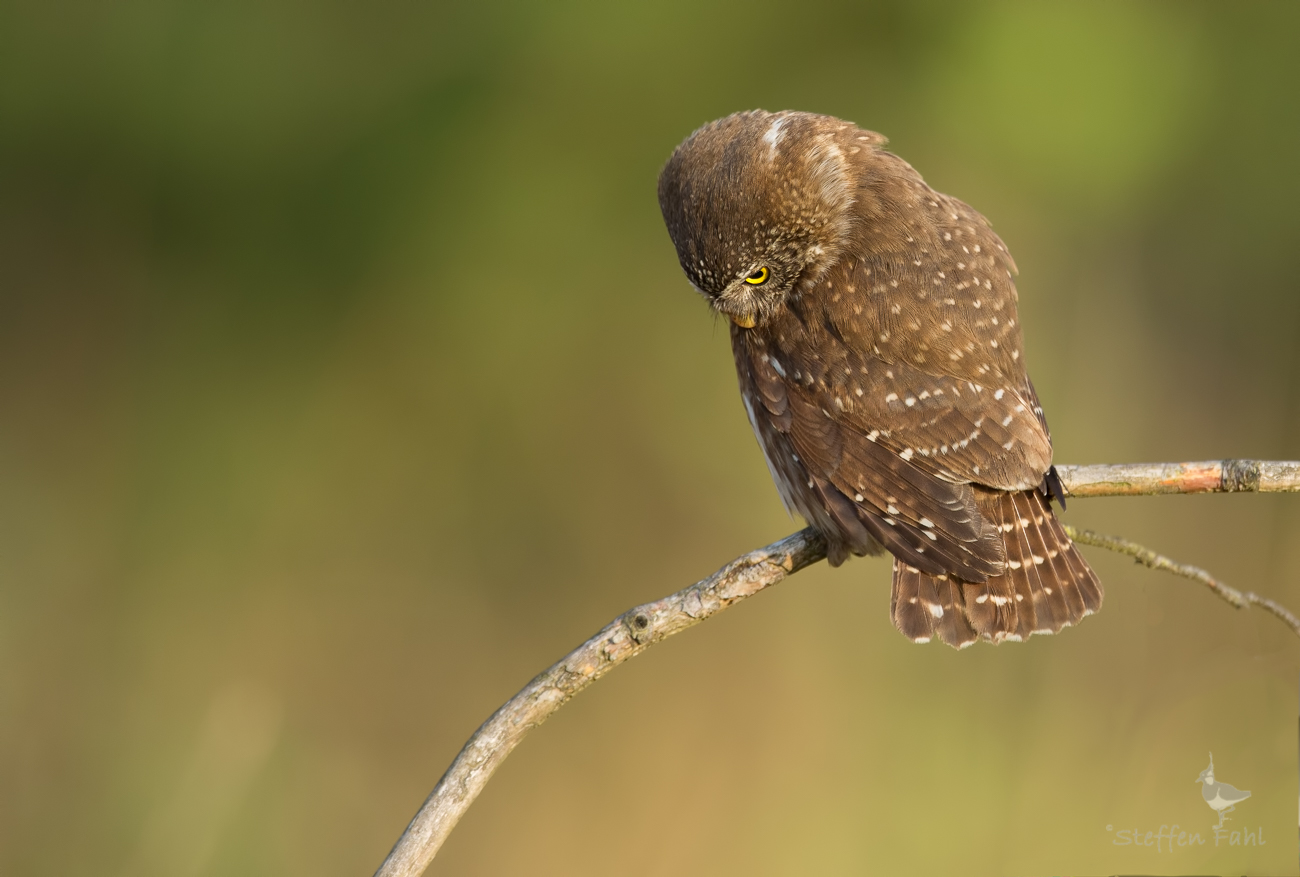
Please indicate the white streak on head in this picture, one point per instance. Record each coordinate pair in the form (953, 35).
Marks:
(773, 136)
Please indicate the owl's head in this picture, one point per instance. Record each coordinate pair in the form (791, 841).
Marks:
(758, 203)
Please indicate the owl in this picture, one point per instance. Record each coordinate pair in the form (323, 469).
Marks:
(874, 328)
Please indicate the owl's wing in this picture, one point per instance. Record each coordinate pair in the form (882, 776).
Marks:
(917, 336)
(860, 487)
(956, 429)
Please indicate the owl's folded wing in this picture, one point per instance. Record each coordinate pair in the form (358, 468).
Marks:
(955, 429)
(867, 487)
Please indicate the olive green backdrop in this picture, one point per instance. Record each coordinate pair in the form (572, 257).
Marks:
(348, 379)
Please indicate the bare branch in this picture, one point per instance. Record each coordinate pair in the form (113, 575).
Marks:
(1149, 479)
(630, 634)
(1147, 557)
(637, 629)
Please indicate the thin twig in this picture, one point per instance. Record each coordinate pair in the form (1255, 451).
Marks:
(1147, 557)
(637, 629)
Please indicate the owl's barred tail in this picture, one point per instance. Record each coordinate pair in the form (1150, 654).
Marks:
(1047, 584)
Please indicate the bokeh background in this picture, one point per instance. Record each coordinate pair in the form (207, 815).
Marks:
(348, 379)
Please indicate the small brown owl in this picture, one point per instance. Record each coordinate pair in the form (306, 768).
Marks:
(874, 327)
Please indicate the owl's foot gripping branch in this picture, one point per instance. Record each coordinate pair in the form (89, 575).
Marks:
(637, 629)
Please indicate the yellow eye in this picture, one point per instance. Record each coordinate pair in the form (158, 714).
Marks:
(758, 278)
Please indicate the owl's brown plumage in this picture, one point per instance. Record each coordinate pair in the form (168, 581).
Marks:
(878, 347)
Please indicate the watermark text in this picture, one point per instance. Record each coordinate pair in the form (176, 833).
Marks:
(1169, 838)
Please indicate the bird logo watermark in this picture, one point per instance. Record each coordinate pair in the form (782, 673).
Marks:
(1222, 798)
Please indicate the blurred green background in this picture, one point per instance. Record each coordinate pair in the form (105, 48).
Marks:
(348, 379)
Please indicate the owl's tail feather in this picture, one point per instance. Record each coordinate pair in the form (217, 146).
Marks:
(1046, 586)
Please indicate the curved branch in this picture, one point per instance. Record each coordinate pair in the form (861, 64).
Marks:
(626, 636)
(641, 627)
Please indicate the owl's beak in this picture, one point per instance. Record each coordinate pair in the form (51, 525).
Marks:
(739, 304)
